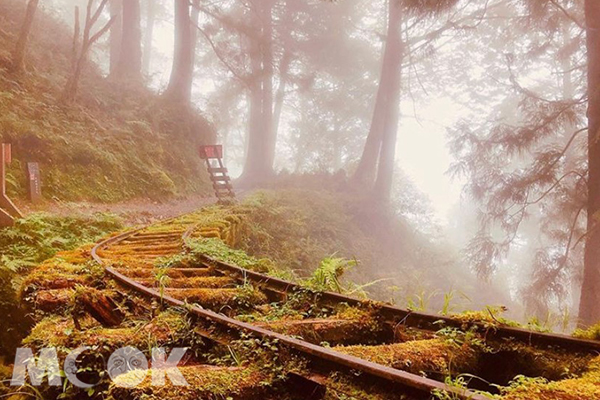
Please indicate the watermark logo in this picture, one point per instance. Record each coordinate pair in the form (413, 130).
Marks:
(126, 360)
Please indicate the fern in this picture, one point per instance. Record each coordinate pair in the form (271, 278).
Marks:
(327, 276)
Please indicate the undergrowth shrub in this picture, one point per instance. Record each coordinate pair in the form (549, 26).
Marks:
(298, 229)
(113, 143)
(31, 241)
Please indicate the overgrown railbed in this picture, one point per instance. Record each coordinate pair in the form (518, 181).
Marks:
(455, 354)
(31, 241)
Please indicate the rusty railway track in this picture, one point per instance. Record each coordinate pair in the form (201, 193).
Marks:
(150, 245)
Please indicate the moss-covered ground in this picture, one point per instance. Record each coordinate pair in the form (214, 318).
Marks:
(115, 142)
(257, 366)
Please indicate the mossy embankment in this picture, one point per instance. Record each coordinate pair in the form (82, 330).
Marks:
(28, 243)
(53, 292)
(297, 228)
(114, 143)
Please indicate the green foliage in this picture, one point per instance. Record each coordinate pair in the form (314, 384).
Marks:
(265, 355)
(592, 333)
(162, 278)
(539, 325)
(459, 385)
(216, 249)
(326, 277)
(298, 228)
(29, 242)
(176, 261)
(419, 301)
(115, 143)
(40, 236)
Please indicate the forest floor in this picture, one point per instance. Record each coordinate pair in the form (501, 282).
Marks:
(132, 212)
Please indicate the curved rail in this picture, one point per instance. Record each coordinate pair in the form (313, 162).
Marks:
(388, 312)
(418, 319)
(413, 318)
(403, 378)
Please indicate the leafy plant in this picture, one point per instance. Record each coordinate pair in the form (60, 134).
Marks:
(216, 249)
(31, 241)
(326, 277)
(163, 280)
(460, 385)
(420, 301)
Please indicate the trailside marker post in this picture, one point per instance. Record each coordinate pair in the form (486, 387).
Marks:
(8, 211)
(35, 182)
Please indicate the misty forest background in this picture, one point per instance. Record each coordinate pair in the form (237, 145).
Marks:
(112, 98)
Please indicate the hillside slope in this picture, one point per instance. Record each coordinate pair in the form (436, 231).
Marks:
(114, 143)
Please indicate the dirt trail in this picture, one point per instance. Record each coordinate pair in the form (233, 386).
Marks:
(133, 212)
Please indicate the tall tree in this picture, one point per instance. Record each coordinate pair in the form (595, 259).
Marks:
(378, 159)
(116, 34)
(391, 82)
(180, 84)
(148, 35)
(81, 49)
(589, 306)
(284, 65)
(260, 154)
(522, 162)
(18, 55)
(129, 65)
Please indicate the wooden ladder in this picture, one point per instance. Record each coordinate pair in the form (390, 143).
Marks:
(213, 155)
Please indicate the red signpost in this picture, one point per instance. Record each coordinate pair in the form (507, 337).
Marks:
(211, 152)
(8, 210)
(7, 149)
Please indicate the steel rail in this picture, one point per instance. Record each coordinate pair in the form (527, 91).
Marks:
(396, 376)
(413, 318)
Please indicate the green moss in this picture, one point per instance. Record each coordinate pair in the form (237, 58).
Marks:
(420, 357)
(55, 331)
(344, 387)
(216, 249)
(205, 382)
(28, 243)
(583, 388)
(490, 317)
(123, 142)
(592, 333)
(218, 298)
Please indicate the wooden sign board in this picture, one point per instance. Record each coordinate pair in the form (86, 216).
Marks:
(212, 151)
(35, 182)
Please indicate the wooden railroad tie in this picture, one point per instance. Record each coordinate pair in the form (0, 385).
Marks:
(213, 155)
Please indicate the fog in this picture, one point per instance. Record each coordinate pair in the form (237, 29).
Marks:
(477, 86)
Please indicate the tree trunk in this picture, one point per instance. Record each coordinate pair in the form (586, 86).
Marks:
(195, 21)
(260, 154)
(116, 34)
(91, 18)
(129, 66)
(367, 167)
(267, 90)
(148, 36)
(255, 151)
(21, 47)
(180, 83)
(284, 68)
(589, 307)
(387, 157)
